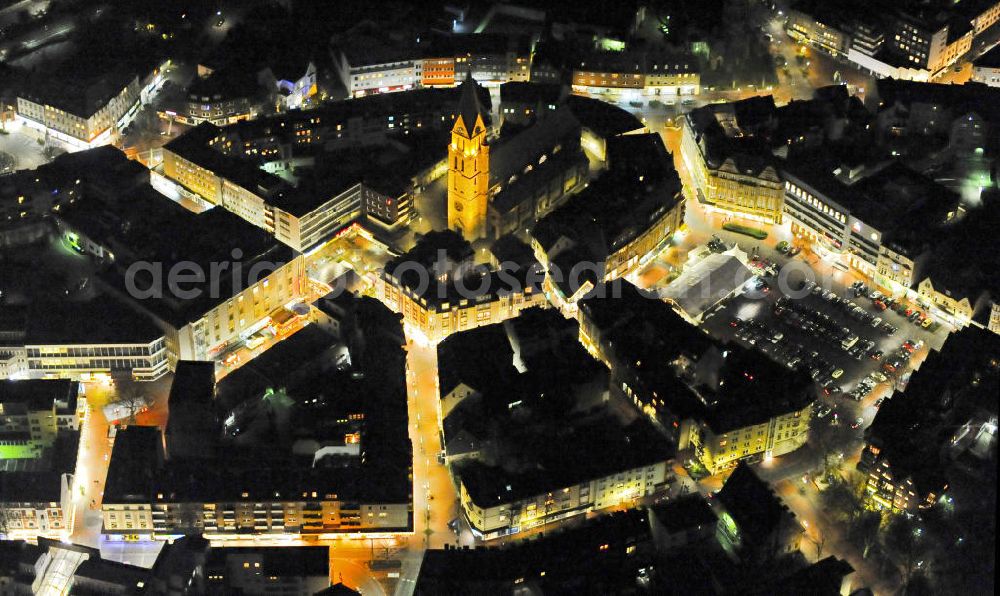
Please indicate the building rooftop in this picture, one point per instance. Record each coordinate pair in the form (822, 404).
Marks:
(196, 146)
(470, 108)
(823, 578)
(478, 358)
(77, 92)
(38, 394)
(597, 557)
(439, 272)
(638, 324)
(43, 484)
(909, 430)
(727, 387)
(639, 187)
(128, 577)
(417, 105)
(990, 59)
(226, 84)
(545, 397)
(510, 249)
(706, 283)
(509, 157)
(296, 390)
(582, 452)
(299, 561)
(881, 198)
(192, 424)
(524, 92)
(756, 509)
(145, 227)
(684, 513)
(745, 388)
(958, 99)
(958, 266)
(604, 119)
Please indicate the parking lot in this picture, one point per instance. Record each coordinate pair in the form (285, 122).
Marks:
(848, 345)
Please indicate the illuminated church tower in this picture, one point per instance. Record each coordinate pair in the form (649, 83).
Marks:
(468, 166)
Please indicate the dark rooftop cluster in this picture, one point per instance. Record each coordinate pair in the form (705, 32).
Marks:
(639, 187)
(536, 388)
(596, 558)
(692, 375)
(439, 270)
(297, 386)
(911, 430)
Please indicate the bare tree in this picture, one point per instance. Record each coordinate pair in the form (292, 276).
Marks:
(819, 542)
(134, 401)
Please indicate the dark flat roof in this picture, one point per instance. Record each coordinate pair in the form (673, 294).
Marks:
(990, 59)
(593, 558)
(604, 119)
(129, 577)
(147, 227)
(755, 508)
(38, 393)
(227, 83)
(525, 92)
(686, 512)
(78, 93)
(40, 486)
(298, 561)
(585, 451)
(477, 357)
(267, 465)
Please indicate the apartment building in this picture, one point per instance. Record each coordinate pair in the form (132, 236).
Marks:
(901, 42)
(986, 68)
(616, 225)
(351, 421)
(494, 511)
(603, 460)
(723, 404)
(40, 409)
(80, 111)
(637, 75)
(730, 161)
(438, 298)
(367, 65)
(36, 496)
(911, 442)
(241, 274)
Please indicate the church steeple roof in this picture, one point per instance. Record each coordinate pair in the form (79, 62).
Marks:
(469, 106)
